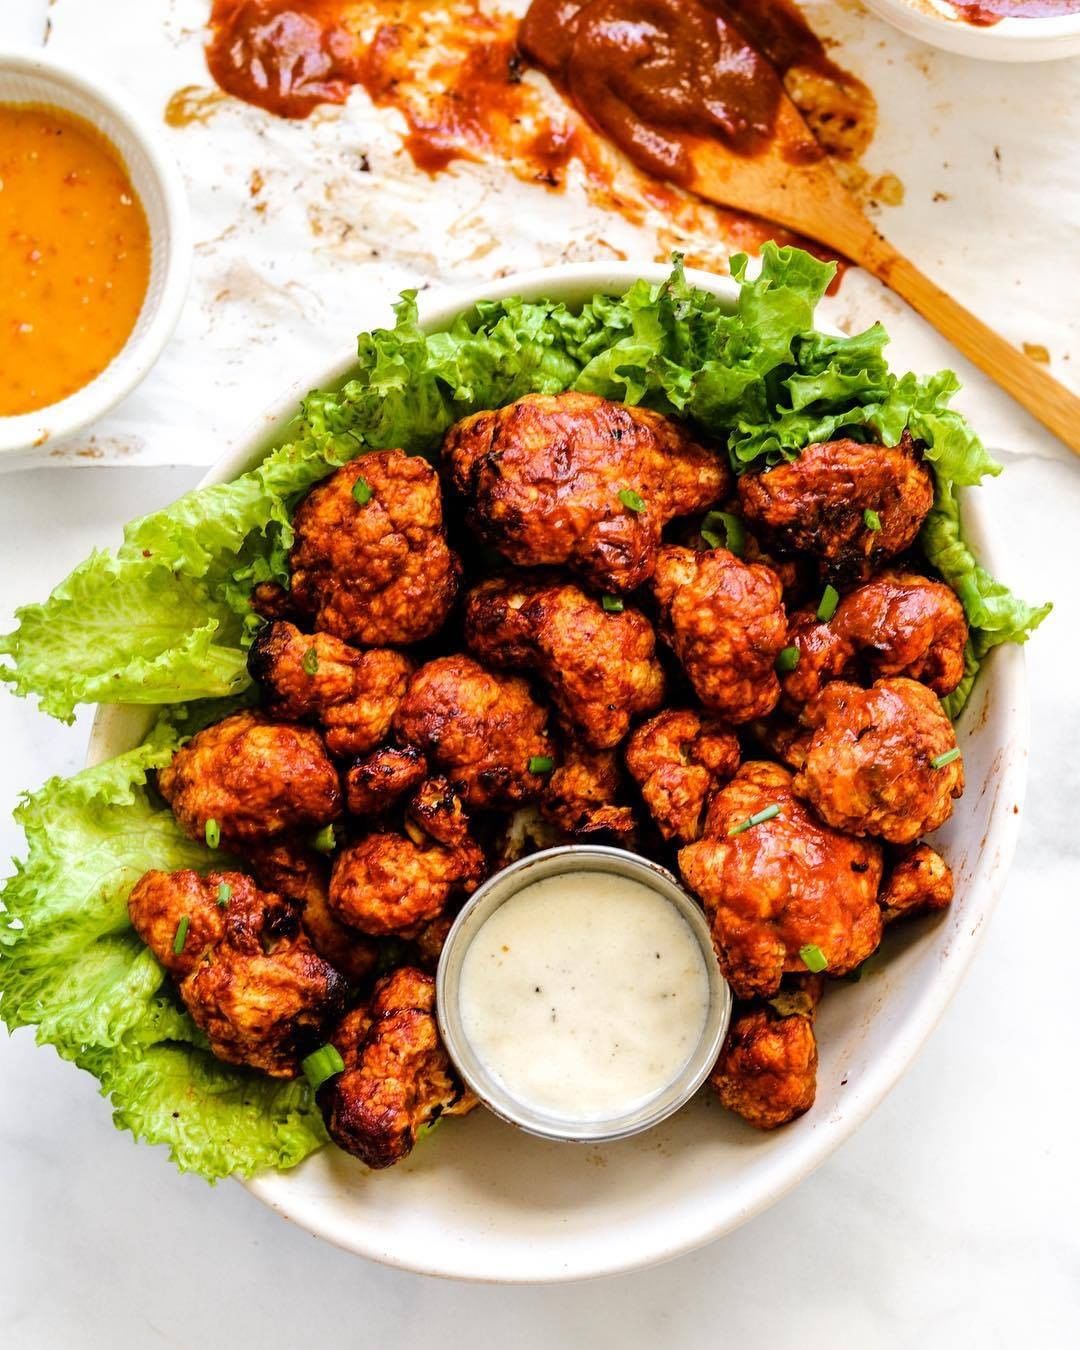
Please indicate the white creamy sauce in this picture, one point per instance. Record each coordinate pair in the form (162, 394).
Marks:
(585, 994)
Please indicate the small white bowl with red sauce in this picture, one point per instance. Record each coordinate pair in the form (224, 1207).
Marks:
(993, 30)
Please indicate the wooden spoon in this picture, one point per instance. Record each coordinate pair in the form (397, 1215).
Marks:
(791, 183)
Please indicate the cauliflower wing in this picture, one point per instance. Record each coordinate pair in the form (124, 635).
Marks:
(818, 503)
(481, 729)
(378, 781)
(919, 881)
(542, 480)
(289, 869)
(679, 759)
(244, 968)
(255, 778)
(872, 765)
(774, 889)
(583, 798)
(353, 695)
(397, 1077)
(726, 623)
(371, 563)
(767, 1070)
(600, 666)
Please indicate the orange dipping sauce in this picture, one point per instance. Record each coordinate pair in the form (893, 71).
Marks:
(74, 256)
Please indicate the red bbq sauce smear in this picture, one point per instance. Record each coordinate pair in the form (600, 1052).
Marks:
(985, 13)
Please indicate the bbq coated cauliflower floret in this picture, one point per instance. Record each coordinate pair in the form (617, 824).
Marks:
(875, 762)
(481, 729)
(679, 759)
(244, 969)
(289, 869)
(767, 1070)
(574, 479)
(848, 504)
(378, 781)
(394, 883)
(920, 881)
(899, 623)
(725, 621)
(599, 665)
(353, 695)
(583, 797)
(778, 889)
(370, 563)
(397, 1076)
(254, 778)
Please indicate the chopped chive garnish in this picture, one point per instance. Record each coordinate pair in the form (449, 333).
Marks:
(612, 604)
(212, 833)
(787, 660)
(871, 520)
(759, 818)
(939, 761)
(633, 501)
(322, 1064)
(362, 492)
(415, 833)
(813, 958)
(829, 600)
(224, 894)
(541, 764)
(326, 840)
(733, 535)
(310, 661)
(181, 935)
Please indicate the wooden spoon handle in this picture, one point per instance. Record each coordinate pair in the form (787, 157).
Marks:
(1032, 387)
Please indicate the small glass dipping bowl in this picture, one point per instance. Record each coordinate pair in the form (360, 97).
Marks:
(577, 858)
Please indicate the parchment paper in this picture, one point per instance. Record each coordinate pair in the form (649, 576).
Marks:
(298, 248)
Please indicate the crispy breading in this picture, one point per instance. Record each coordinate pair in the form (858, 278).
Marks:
(299, 874)
(726, 623)
(601, 667)
(245, 970)
(255, 778)
(480, 728)
(397, 1076)
(767, 1070)
(583, 797)
(377, 572)
(541, 479)
(679, 760)
(918, 882)
(316, 677)
(379, 780)
(388, 883)
(784, 884)
(817, 503)
(869, 765)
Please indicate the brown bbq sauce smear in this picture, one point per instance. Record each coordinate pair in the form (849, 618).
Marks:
(455, 73)
(986, 13)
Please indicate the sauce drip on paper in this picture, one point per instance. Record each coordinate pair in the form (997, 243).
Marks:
(457, 75)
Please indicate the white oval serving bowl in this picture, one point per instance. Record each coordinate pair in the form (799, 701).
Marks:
(34, 77)
(481, 1200)
(1030, 39)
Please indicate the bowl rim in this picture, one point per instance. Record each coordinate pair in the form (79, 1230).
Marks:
(38, 429)
(112, 730)
(1032, 38)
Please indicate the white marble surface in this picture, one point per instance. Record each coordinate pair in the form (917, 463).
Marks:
(948, 1220)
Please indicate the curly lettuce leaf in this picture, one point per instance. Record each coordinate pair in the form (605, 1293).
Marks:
(72, 967)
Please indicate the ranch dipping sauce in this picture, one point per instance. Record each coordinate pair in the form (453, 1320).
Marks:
(584, 994)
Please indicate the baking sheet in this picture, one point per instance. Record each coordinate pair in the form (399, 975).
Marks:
(300, 246)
